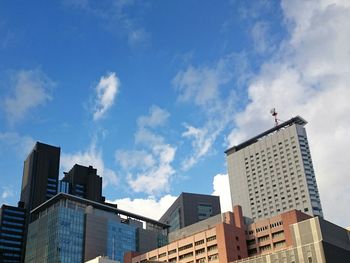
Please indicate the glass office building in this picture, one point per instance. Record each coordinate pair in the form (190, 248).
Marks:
(57, 235)
(121, 239)
(70, 229)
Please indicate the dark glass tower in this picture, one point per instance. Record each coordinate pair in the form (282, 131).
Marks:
(40, 175)
(83, 182)
(12, 233)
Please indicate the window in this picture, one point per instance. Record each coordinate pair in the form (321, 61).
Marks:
(204, 211)
(211, 238)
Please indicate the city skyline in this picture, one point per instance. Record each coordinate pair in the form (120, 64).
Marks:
(127, 84)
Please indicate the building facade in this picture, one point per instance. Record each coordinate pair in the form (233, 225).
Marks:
(12, 233)
(69, 229)
(84, 182)
(226, 238)
(272, 234)
(40, 175)
(220, 238)
(190, 208)
(313, 241)
(273, 172)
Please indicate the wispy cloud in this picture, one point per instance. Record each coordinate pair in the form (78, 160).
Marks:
(12, 141)
(7, 192)
(106, 92)
(210, 89)
(115, 16)
(149, 170)
(262, 38)
(310, 76)
(149, 207)
(91, 156)
(30, 89)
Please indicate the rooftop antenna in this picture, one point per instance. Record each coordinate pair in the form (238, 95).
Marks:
(274, 114)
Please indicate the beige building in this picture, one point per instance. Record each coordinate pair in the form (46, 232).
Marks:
(224, 237)
(314, 241)
(218, 239)
(273, 172)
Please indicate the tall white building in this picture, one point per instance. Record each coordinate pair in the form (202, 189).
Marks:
(273, 172)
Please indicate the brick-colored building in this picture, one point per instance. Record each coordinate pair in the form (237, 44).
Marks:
(218, 239)
(226, 238)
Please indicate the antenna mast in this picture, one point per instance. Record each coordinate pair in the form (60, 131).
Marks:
(274, 114)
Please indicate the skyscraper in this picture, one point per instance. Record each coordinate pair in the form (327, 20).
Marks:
(12, 233)
(40, 175)
(273, 172)
(84, 182)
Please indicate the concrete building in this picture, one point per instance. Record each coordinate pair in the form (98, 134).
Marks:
(226, 236)
(190, 208)
(273, 172)
(272, 234)
(83, 182)
(40, 175)
(12, 233)
(70, 229)
(220, 238)
(314, 240)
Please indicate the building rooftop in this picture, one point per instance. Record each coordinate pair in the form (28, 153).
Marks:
(97, 205)
(295, 120)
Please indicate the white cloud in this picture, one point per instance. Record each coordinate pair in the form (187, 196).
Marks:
(106, 91)
(149, 207)
(262, 39)
(135, 159)
(7, 192)
(31, 88)
(115, 16)
(92, 156)
(221, 188)
(13, 141)
(210, 89)
(310, 76)
(149, 170)
(202, 140)
(156, 117)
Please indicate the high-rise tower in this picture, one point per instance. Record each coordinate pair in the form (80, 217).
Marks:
(273, 172)
(40, 175)
(84, 182)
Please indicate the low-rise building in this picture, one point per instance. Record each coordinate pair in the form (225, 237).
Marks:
(225, 238)
(313, 240)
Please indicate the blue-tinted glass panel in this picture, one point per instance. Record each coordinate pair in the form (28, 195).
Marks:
(121, 238)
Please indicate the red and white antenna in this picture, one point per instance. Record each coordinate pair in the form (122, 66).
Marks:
(274, 114)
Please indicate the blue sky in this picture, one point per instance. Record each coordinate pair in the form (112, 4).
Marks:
(153, 92)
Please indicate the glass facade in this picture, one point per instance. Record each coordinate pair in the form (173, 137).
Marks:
(204, 211)
(63, 187)
(70, 231)
(121, 238)
(175, 222)
(57, 235)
